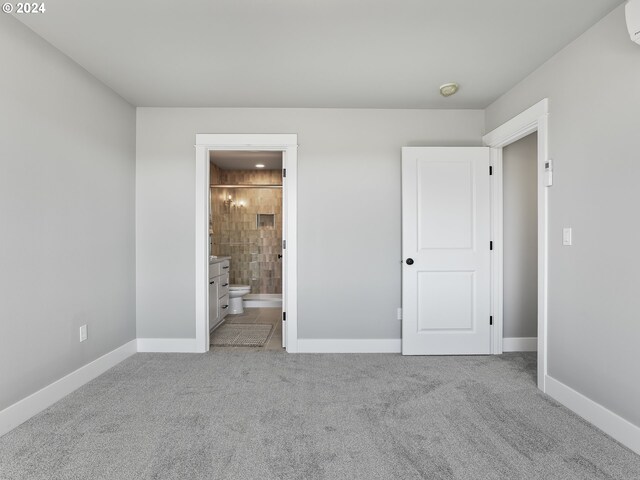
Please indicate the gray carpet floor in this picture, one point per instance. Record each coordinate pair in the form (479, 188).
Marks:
(258, 415)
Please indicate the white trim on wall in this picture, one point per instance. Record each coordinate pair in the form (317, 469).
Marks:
(385, 345)
(518, 127)
(520, 344)
(26, 408)
(288, 144)
(167, 345)
(534, 119)
(497, 259)
(610, 423)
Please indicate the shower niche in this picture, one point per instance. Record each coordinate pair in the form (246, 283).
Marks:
(265, 220)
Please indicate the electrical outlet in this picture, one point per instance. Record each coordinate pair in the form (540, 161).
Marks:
(399, 313)
(83, 333)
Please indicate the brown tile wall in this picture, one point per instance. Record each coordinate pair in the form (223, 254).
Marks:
(246, 177)
(253, 251)
(214, 174)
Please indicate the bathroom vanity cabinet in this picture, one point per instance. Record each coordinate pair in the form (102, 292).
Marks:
(218, 291)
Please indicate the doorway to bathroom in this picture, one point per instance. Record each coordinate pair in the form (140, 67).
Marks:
(246, 238)
(246, 241)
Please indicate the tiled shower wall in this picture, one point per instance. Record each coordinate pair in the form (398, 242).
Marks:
(253, 250)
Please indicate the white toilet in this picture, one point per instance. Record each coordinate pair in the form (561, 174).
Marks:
(236, 292)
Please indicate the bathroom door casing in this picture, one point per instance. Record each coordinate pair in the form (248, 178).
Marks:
(446, 269)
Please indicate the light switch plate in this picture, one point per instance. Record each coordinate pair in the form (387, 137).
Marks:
(567, 234)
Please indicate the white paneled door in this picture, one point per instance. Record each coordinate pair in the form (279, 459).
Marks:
(446, 270)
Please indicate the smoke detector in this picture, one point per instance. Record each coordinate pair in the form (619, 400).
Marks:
(449, 89)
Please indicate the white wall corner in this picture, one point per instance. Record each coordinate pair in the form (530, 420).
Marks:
(520, 344)
(167, 345)
(26, 408)
(610, 423)
(385, 345)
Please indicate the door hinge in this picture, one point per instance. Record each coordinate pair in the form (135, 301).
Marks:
(491, 245)
(284, 172)
(490, 170)
(284, 316)
(491, 320)
(284, 244)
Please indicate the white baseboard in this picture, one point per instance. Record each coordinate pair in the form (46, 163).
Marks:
(263, 303)
(520, 344)
(386, 345)
(26, 408)
(610, 423)
(167, 345)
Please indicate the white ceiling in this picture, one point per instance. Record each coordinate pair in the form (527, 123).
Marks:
(246, 160)
(305, 53)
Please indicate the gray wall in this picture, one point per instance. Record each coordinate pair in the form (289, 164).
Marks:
(349, 210)
(520, 237)
(67, 163)
(593, 87)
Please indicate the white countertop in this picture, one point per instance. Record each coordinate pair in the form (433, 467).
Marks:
(217, 259)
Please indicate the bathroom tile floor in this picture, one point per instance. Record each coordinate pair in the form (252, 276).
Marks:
(272, 316)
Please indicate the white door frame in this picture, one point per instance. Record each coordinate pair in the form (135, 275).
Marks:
(534, 119)
(288, 145)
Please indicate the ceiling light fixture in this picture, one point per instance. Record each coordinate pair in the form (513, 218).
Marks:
(259, 165)
(449, 89)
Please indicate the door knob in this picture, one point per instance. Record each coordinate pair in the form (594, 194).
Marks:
(409, 261)
(279, 256)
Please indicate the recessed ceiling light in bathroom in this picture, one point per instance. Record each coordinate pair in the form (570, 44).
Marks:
(259, 165)
(449, 89)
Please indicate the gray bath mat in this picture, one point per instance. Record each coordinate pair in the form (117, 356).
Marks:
(241, 335)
